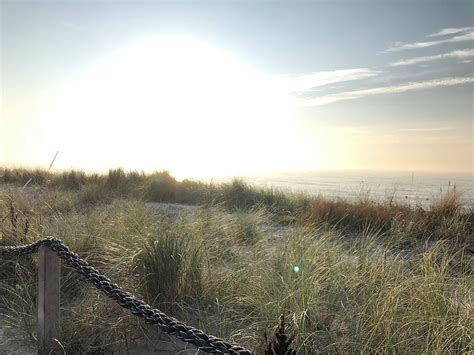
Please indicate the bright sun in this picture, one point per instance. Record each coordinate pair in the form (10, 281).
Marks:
(172, 103)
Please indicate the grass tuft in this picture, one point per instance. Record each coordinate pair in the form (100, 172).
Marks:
(171, 266)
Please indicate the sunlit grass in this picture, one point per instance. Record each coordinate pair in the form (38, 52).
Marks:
(350, 277)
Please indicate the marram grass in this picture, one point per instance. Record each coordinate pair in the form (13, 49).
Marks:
(382, 281)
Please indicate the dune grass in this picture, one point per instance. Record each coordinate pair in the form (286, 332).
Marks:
(446, 218)
(370, 277)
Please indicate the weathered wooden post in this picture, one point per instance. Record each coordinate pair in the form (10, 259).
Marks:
(49, 268)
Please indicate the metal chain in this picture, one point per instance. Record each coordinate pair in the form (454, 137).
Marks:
(139, 308)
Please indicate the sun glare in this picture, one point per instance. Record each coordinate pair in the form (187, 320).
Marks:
(172, 103)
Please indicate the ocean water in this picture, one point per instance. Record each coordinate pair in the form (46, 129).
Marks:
(421, 189)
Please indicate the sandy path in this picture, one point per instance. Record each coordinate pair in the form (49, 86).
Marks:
(170, 209)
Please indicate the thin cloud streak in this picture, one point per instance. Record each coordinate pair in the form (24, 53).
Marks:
(451, 31)
(298, 83)
(461, 54)
(467, 36)
(357, 94)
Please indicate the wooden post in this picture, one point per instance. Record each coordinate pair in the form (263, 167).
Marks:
(49, 270)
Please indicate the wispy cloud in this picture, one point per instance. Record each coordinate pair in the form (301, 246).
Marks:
(463, 36)
(302, 88)
(303, 82)
(451, 31)
(357, 94)
(461, 54)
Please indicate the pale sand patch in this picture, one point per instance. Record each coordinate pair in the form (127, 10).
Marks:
(171, 209)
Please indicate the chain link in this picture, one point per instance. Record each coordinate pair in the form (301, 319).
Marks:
(139, 308)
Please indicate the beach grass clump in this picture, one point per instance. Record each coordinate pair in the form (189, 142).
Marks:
(447, 205)
(22, 176)
(218, 231)
(355, 215)
(93, 193)
(171, 268)
(116, 179)
(239, 195)
(247, 225)
(161, 187)
(196, 192)
(449, 218)
(72, 179)
(123, 183)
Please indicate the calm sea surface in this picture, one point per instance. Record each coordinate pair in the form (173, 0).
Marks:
(412, 188)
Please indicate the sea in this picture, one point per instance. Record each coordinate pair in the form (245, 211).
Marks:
(413, 188)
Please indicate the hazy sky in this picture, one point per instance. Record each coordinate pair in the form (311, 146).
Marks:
(222, 88)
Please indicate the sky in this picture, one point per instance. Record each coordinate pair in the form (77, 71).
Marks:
(233, 88)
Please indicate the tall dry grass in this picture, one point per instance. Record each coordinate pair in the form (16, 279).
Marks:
(370, 278)
(447, 218)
